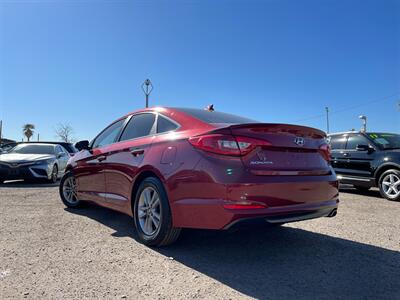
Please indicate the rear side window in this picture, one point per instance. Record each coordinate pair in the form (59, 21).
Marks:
(338, 142)
(165, 125)
(138, 126)
(355, 140)
(213, 117)
(109, 135)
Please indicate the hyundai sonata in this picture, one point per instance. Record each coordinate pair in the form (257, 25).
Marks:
(173, 168)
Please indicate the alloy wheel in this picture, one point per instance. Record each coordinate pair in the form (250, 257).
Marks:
(149, 211)
(69, 190)
(391, 185)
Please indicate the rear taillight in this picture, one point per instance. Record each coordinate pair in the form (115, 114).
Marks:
(226, 144)
(325, 151)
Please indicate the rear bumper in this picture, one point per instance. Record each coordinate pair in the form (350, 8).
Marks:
(203, 197)
(279, 202)
(211, 214)
(288, 217)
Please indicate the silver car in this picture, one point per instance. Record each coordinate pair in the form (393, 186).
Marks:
(31, 161)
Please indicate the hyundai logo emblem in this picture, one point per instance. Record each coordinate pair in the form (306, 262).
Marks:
(299, 141)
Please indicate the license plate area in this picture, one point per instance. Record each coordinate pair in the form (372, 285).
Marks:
(288, 160)
(13, 172)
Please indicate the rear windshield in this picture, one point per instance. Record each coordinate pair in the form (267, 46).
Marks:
(213, 117)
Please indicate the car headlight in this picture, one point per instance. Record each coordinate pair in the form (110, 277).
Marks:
(44, 162)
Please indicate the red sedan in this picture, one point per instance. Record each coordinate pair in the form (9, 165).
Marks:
(173, 168)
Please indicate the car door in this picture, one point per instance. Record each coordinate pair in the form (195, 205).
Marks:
(338, 156)
(125, 158)
(89, 173)
(359, 159)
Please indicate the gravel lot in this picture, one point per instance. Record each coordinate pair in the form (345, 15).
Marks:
(48, 251)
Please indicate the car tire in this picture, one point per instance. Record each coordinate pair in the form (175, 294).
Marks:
(389, 185)
(362, 188)
(152, 214)
(67, 190)
(54, 174)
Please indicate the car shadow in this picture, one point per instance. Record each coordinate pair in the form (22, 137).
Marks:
(276, 262)
(351, 190)
(27, 184)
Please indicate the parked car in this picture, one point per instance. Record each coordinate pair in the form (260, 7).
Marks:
(33, 161)
(368, 159)
(173, 168)
(67, 146)
(7, 147)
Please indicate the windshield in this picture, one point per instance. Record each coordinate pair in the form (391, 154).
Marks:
(33, 149)
(386, 140)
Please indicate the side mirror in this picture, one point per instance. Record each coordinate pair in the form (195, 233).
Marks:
(61, 154)
(364, 148)
(82, 145)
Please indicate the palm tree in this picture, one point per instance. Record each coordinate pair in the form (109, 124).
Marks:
(27, 129)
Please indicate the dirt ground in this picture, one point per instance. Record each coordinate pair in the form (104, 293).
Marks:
(50, 252)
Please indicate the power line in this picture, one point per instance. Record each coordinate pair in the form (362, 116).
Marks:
(348, 108)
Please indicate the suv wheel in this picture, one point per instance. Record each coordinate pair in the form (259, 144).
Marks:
(389, 185)
(152, 214)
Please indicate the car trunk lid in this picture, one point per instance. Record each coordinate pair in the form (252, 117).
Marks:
(285, 149)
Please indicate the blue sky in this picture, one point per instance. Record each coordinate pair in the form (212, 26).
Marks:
(82, 62)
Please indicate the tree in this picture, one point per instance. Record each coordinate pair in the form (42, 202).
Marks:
(28, 130)
(64, 132)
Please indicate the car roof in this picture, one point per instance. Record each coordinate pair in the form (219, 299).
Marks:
(46, 142)
(345, 132)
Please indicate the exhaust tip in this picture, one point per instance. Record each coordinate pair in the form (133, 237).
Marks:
(333, 213)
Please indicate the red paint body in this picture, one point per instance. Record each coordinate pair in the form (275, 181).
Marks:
(281, 180)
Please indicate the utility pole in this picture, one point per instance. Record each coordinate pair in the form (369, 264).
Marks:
(147, 87)
(327, 119)
(1, 131)
(38, 137)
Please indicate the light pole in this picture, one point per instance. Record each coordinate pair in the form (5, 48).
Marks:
(364, 120)
(147, 87)
(327, 119)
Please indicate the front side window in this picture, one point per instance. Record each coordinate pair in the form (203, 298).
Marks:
(355, 140)
(139, 126)
(59, 150)
(109, 135)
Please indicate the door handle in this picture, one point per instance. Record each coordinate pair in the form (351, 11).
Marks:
(101, 158)
(137, 151)
(346, 154)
